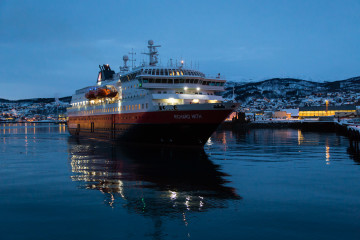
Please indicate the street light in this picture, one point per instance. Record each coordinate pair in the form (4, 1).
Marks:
(327, 106)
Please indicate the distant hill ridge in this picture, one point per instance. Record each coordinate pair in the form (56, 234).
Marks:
(36, 100)
(289, 87)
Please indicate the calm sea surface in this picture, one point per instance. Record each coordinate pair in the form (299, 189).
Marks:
(258, 184)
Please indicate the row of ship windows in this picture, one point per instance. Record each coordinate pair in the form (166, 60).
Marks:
(133, 96)
(196, 93)
(131, 86)
(122, 108)
(176, 81)
(106, 118)
(162, 72)
(173, 72)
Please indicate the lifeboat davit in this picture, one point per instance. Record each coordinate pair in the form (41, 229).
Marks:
(90, 95)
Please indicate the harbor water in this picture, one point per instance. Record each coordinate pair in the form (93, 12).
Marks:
(253, 184)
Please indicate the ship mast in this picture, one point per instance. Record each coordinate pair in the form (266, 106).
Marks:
(153, 53)
(133, 60)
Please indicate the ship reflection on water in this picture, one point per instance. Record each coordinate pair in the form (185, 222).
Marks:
(150, 181)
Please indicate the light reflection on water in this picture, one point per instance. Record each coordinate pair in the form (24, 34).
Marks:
(255, 184)
(180, 180)
(277, 145)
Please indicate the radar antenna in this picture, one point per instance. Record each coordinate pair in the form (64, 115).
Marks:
(153, 53)
(125, 68)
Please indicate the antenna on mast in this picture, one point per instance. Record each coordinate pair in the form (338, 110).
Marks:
(132, 53)
(153, 53)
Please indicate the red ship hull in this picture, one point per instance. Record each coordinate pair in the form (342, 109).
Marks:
(160, 127)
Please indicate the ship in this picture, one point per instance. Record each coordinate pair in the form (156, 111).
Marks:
(165, 105)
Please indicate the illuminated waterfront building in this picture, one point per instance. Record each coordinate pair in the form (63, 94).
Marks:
(321, 111)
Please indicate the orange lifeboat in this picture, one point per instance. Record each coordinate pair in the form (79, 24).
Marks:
(102, 92)
(90, 95)
(112, 94)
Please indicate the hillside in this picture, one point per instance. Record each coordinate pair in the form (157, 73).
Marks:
(289, 87)
(36, 100)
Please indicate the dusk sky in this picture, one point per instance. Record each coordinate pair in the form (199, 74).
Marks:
(52, 48)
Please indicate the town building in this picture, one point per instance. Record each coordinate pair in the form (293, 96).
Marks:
(322, 111)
